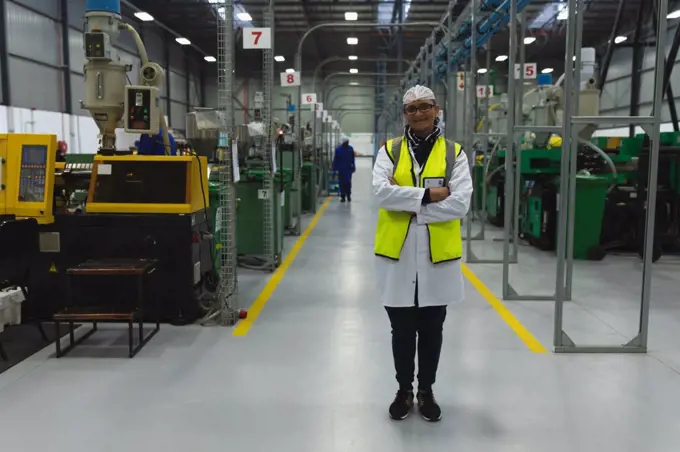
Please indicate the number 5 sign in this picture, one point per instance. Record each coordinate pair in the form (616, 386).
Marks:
(308, 99)
(530, 70)
(257, 38)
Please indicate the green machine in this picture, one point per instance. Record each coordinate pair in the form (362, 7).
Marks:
(539, 193)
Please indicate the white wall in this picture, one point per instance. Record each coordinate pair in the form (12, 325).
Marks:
(360, 98)
(80, 132)
(615, 99)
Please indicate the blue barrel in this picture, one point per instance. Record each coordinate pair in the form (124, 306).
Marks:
(110, 6)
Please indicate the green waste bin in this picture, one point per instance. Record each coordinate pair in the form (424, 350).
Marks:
(249, 218)
(308, 191)
(478, 175)
(591, 194)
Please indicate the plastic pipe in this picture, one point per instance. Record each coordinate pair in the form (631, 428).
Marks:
(143, 56)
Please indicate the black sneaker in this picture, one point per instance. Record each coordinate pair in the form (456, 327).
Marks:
(349, 199)
(402, 405)
(342, 199)
(428, 406)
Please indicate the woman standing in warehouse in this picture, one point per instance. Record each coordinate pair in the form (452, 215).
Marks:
(344, 166)
(423, 187)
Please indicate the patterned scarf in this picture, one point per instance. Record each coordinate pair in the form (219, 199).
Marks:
(422, 146)
(415, 141)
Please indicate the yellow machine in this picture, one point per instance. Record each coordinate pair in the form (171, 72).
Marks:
(27, 176)
(148, 184)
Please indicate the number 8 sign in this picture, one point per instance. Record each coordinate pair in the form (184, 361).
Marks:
(290, 79)
(257, 38)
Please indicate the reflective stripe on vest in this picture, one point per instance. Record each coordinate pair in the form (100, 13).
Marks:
(445, 238)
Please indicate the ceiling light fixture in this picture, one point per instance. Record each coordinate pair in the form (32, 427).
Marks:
(620, 39)
(352, 41)
(482, 70)
(290, 71)
(674, 15)
(354, 83)
(210, 59)
(280, 58)
(354, 71)
(183, 41)
(353, 57)
(351, 16)
(529, 40)
(245, 17)
(501, 58)
(547, 70)
(144, 17)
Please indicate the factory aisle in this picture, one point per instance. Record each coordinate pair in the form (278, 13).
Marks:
(315, 374)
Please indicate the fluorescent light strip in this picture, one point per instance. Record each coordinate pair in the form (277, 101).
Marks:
(351, 16)
(290, 71)
(280, 58)
(245, 17)
(144, 17)
(210, 59)
(183, 41)
(501, 58)
(352, 41)
(353, 57)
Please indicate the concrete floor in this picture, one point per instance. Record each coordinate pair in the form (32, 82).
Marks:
(315, 373)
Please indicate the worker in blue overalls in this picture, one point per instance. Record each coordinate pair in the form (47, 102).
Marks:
(343, 165)
(153, 144)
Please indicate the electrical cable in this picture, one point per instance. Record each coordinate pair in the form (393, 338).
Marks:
(212, 279)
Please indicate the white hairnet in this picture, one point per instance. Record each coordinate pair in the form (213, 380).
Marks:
(418, 92)
(345, 139)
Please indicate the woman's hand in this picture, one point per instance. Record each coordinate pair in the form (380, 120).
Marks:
(439, 194)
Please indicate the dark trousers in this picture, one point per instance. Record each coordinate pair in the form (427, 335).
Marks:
(422, 328)
(345, 187)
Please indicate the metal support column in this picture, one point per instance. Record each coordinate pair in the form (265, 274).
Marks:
(4, 59)
(572, 125)
(271, 257)
(470, 113)
(66, 55)
(226, 310)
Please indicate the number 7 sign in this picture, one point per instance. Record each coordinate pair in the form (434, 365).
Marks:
(257, 38)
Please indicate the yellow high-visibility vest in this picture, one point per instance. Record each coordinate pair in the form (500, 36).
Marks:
(445, 240)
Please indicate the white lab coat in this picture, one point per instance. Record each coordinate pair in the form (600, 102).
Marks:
(440, 284)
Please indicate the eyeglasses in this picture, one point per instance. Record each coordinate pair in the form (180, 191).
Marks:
(423, 108)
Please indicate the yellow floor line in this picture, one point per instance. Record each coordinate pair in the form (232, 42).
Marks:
(244, 326)
(525, 335)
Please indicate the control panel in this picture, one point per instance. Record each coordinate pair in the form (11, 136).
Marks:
(27, 174)
(97, 46)
(32, 173)
(142, 114)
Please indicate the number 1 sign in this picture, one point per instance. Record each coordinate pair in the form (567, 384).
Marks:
(257, 38)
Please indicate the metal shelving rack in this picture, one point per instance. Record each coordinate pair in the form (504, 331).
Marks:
(573, 124)
(422, 69)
